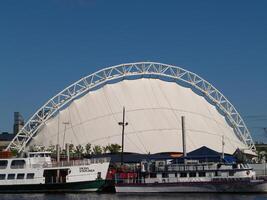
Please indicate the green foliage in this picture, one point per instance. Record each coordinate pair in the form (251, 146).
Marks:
(79, 149)
(52, 149)
(105, 149)
(37, 148)
(88, 149)
(97, 150)
(71, 147)
(114, 148)
(14, 152)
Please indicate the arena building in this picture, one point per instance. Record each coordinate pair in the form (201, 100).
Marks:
(155, 97)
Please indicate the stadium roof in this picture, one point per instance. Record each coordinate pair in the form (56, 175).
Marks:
(155, 96)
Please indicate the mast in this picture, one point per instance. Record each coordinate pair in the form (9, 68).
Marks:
(123, 124)
(65, 128)
(223, 143)
(58, 160)
(68, 151)
(58, 151)
(184, 136)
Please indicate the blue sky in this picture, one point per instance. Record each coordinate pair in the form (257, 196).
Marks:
(47, 45)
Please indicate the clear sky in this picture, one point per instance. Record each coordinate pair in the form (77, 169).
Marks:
(47, 45)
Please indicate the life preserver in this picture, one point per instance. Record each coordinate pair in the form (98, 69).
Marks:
(248, 172)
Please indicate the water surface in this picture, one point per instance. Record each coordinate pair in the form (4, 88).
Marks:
(95, 196)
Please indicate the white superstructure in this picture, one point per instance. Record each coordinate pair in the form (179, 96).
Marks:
(194, 177)
(43, 174)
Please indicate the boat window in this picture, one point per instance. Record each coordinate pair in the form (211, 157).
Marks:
(201, 174)
(183, 175)
(181, 168)
(3, 164)
(17, 164)
(191, 168)
(153, 175)
(218, 173)
(2, 176)
(20, 176)
(165, 175)
(11, 176)
(30, 176)
(231, 173)
(98, 175)
(192, 174)
(200, 167)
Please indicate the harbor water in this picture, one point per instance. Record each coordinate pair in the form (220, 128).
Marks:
(96, 196)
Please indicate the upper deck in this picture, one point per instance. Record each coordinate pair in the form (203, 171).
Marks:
(43, 160)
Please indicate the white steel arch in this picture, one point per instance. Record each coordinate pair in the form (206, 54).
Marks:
(103, 76)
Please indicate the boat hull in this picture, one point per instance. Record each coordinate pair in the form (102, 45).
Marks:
(85, 186)
(236, 187)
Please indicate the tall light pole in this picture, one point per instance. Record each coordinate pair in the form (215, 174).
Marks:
(65, 124)
(123, 124)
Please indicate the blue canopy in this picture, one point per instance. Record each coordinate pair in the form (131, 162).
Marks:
(205, 154)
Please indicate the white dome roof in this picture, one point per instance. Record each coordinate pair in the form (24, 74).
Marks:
(153, 110)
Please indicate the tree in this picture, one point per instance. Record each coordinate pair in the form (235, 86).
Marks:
(97, 150)
(14, 152)
(105, 149)
(79, 149)
(114, 148)
(71, 147)
(33, 148)
(88, 149)
(37, 148)
(51, 148)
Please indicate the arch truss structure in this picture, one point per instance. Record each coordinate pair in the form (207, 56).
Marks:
(82, 86)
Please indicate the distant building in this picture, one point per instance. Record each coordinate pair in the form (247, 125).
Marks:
(261, 147)
(18, 122)
(6, 137)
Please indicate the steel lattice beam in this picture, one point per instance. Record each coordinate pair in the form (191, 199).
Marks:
(101, 77)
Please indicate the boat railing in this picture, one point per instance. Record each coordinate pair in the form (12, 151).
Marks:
(82, 162)
(203, 167)
(177, 167)
(155, 180)
(140, 180)
(262, 177)
(79, 162)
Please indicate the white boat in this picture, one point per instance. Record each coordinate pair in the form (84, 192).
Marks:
(189, 175)
(38, 173)
(193, 177)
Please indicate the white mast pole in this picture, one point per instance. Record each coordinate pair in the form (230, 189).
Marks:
(223, 143)
(184, 137)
